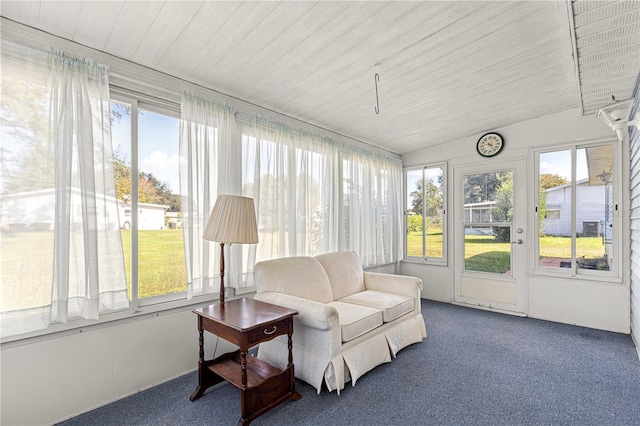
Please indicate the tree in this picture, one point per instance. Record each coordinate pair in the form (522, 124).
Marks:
(482, 187)
(27, 157)
(122, 174)
(503, 210)
(157, 192)
(28, 160)
(548, 180)
(434, 198)
(150, 189)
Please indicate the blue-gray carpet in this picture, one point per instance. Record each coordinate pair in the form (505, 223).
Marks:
(474, 368)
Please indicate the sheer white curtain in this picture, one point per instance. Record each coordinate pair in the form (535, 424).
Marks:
(372, 207)
(209, 165)
(58, 192)
(89, 273)
(293, 177)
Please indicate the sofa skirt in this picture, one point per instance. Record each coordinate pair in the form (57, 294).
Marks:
(355, 359)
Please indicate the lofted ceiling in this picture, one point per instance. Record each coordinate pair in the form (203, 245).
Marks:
(447, 69)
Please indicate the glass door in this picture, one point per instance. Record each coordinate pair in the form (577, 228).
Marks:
(490, 236)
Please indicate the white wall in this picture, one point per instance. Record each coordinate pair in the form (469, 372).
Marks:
(635, 220)
(594, 304)
(50, 379)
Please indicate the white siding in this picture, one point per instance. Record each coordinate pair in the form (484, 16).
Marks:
(591, 208)
(635, 220)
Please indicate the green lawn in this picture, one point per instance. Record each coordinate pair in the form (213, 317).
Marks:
(27, 266)
(161, 267)
(434, 243)
(483, 254)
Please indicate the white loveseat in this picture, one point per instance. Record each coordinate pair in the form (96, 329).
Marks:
(349, 321)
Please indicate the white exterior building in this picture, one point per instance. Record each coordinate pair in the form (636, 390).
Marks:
(150, 216)
(590, 216)
(35, 211)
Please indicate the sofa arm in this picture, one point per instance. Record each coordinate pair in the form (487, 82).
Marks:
(310, 313)
(399, 284)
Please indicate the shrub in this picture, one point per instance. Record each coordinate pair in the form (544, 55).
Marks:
(414, 223)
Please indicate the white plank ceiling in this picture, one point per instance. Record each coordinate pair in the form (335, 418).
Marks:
(447, 69)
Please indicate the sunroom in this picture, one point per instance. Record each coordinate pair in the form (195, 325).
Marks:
(354, 126)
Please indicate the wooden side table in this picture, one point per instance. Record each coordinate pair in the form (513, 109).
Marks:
(246, 323)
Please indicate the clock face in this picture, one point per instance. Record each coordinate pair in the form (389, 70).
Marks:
(490, 144)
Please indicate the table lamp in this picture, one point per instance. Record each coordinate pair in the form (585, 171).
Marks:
(232, 221)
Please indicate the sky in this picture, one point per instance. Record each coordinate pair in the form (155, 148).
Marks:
(559, 163)
(556, 162)
(158, 141)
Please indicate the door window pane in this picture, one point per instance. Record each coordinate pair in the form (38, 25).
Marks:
(488, 211)
(484, 252)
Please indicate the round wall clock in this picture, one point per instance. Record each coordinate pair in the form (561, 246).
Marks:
(490, 144)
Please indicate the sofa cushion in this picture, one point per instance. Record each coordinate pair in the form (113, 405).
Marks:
(344, 270)
(297, 276)
(392, 305)
(356, 320)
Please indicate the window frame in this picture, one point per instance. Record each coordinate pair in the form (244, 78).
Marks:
(613, 275)
(138, 308)
(137, 105)
(426, 260)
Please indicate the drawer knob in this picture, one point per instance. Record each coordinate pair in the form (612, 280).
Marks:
(270, 332)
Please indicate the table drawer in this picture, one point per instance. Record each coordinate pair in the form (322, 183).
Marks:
(268, 331)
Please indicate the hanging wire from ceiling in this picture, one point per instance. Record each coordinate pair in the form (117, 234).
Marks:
(376, 79)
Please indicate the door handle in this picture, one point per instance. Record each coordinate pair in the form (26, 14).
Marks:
(518, 241)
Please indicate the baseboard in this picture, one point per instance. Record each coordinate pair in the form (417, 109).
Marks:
(123, 396)
(486, 308)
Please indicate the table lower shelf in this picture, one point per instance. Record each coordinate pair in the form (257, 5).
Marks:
(257, 371)
(267, 386)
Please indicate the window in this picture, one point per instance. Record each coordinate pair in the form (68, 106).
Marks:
(552, 214)
(297, 179)
(425, 213)
(371, 208)
(578, 210)
(61, 251)
(149, 206)
(314, 196)
(27, 198)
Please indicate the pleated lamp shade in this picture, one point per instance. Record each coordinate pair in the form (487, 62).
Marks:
(232, 221)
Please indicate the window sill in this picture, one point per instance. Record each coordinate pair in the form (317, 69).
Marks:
(569, 275)
(80, 325)
(420, 261)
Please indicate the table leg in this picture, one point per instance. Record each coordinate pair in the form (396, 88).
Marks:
(197, 393)
(292, 375)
